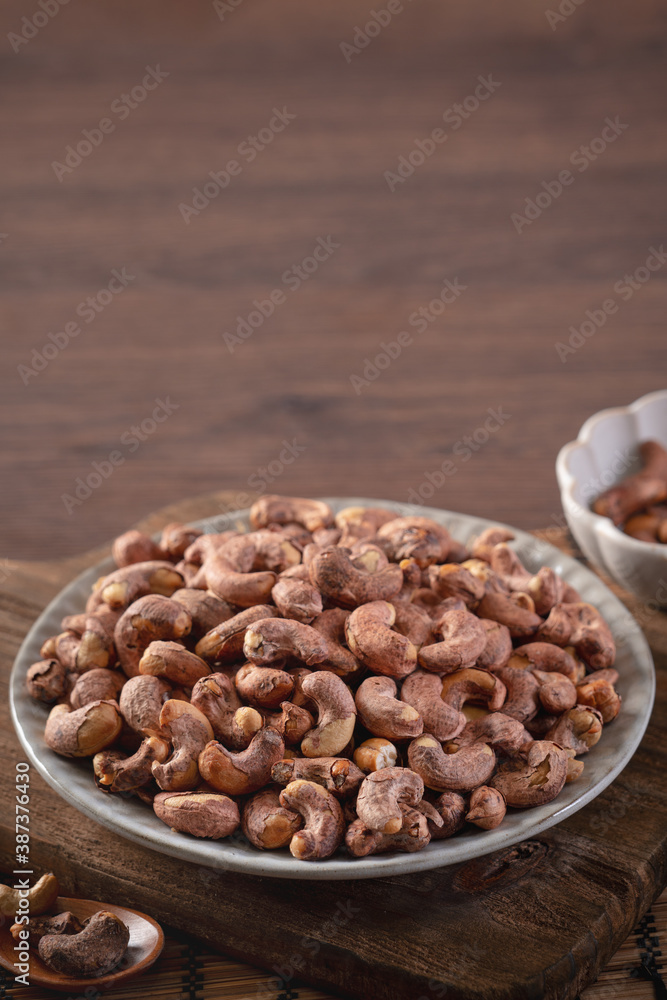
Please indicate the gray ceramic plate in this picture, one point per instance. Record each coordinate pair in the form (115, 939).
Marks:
(73, 780)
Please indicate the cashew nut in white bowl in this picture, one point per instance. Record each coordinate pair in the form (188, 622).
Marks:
(605, 452)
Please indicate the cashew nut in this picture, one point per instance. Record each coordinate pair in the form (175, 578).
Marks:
(383, 714)
(646, 487)
(337, 714)
(336, 576)
(62, 923)
(205, 609)
(96, 685)
(498, 648)
(371, 639)
(500, 731)
(454, 580)
(324, 825)
(331, 626)
(174, 662)
(486, 808)
(47, 680)
(141, 701)
(536, 776)
(120, 588)
(413, 835)
(556, 692)
(189, 731)
(463, 641)
(94, 951)
(97, 647)
(135, 547)
(374, 754)
(417, 538)
(338, 775)
(579, 729)
(598, 692)
(423, 691)
(233, 724)
(516, 611)
(273, 640)
(243, 570)
(266, 823)
(243, 772)
(473, 685)
(263, 687)
(522, 702)
(41, 897)
(271, 509)
(361, 522)
(83, 732)
(461, 771)
(176, 539)
(199, 813)
(451, 807)
(482, 546)
(383, 793)
(297, 599)
(115, 772)
(413, 622)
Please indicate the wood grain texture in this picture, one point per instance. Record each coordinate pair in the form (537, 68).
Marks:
(324, 174)
(536, 921)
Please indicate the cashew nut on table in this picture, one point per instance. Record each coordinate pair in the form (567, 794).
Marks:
(355, 682)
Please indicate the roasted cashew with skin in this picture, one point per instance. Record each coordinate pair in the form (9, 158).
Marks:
(467, 768)
(189, 731)
(243, 772)
(383, 714)
(372, 640)
(324, 825)
(337, 714)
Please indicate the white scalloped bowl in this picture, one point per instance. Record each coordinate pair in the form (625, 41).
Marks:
(605, 452)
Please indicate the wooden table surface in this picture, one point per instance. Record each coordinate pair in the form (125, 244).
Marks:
(552, 80)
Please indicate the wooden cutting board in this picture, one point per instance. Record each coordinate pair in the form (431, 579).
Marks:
(535, 921)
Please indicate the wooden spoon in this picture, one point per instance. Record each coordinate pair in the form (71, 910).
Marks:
(146, 943)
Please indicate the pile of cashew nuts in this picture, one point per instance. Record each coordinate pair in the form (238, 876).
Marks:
(360, 679)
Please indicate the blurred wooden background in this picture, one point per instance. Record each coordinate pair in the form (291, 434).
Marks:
(323, 175)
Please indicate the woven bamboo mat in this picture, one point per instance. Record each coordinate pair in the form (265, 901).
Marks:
(188, 971)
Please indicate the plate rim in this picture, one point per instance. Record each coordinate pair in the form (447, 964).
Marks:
(224, 856)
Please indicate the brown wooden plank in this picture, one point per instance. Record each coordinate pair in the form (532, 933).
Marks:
(537, 921)
(323, 175)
